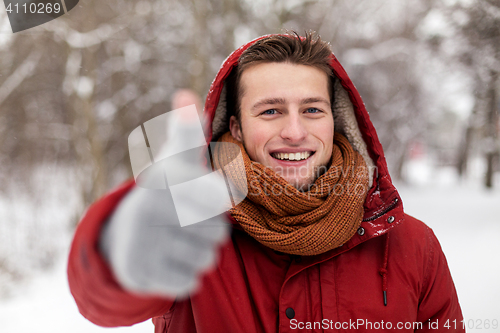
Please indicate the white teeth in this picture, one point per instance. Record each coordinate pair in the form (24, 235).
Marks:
(292, 156)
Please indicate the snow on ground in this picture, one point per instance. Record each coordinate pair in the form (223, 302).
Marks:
(465, 218)
(46, 306)
(33, 235)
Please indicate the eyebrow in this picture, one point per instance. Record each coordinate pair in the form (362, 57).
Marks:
(279, 100)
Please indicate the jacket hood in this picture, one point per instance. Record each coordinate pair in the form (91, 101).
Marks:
(351, 119)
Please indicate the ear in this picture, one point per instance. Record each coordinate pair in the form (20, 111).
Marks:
(235, 128)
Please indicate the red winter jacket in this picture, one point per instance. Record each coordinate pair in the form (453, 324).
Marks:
(391, 275)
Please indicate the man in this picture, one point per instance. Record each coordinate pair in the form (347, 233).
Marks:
(321, 242)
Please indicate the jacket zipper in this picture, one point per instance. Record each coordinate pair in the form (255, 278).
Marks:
(388, 208)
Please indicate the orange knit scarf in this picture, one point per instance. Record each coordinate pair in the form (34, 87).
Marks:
(303, 223)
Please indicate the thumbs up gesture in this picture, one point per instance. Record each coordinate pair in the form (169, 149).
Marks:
(165, 232)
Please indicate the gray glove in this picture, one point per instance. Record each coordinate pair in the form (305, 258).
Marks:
(144, 242)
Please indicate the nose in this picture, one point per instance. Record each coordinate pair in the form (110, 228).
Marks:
(294, 130)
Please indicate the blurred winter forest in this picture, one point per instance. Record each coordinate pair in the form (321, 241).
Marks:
(72, 90)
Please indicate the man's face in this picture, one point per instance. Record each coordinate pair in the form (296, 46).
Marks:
(286, 120)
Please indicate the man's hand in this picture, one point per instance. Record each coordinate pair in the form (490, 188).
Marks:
(144, 242)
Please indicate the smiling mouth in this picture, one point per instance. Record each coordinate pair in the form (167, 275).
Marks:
(292, 156)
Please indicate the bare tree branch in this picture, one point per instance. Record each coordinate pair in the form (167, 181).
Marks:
(24, 71)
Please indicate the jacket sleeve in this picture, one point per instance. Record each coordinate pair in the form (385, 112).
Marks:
(98, 295)
(439, 309)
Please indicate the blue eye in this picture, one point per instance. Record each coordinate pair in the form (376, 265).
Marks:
(271, 111)
(313, 110)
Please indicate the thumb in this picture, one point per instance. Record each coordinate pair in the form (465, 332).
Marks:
(183, 126)
(185, 97)
(184, 132)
